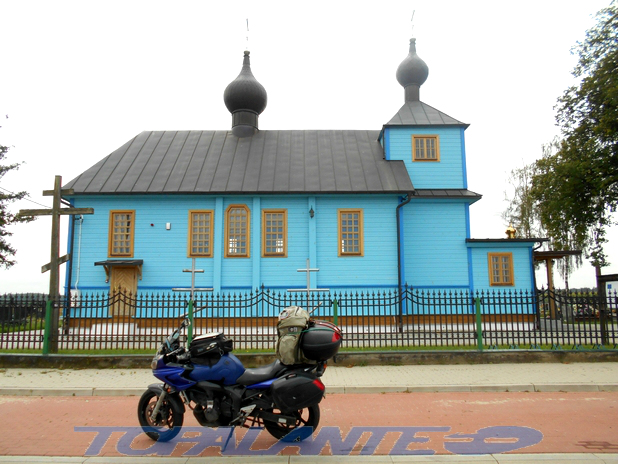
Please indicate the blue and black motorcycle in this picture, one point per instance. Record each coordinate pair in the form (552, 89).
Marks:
(208, 379)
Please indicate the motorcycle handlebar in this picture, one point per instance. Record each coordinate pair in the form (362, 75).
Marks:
(179, 355)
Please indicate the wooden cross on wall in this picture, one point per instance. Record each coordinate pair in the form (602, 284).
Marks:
(55, 260)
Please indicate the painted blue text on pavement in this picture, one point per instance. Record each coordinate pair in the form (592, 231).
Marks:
(488, 440)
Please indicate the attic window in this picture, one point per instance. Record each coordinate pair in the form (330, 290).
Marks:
(425, 148)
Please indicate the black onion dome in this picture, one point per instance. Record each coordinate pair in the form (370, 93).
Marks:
(412, 72)
(245, 92)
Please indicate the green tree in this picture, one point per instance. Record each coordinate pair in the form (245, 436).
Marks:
(576, 188)
(521, 211)
(6, 217)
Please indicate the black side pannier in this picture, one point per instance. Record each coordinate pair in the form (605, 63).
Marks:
(297, 391)
(208, 348)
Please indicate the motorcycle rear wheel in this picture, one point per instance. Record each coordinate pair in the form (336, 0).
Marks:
(307, 417)
(166, 425)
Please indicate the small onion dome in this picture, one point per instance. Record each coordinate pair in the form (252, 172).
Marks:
(245, 98)
(412, 73)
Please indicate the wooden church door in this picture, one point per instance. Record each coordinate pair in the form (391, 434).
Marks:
(123, 290)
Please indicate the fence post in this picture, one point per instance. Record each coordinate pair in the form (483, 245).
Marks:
(603, 323)
(479, 325)
(48, 328)
(335, 311)
(190, 328)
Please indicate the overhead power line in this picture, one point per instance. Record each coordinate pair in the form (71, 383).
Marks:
(25, 198)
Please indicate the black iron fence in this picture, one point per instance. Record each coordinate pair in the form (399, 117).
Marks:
(376, 320)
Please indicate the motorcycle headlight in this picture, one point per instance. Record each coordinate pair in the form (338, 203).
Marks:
(155, 361)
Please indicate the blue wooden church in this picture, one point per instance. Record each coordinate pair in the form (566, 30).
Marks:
(371, 209)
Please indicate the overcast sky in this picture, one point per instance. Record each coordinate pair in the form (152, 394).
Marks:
(79, 79)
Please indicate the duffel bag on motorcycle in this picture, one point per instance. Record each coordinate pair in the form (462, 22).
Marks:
(305, 341)
(292, 321)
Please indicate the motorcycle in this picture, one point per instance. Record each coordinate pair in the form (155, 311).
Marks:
(208, 379)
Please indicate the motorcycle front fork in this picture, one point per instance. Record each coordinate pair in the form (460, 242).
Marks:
(157, 408)
(161, 399)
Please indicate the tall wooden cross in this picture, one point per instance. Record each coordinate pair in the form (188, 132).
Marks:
(55, 260)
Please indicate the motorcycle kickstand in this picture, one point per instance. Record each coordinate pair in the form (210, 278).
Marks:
(242, 415)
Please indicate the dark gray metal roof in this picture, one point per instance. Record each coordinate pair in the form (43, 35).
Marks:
(447, 193)
(553, 254)
(506, 240)
(120, 262)
(417, 113)
(270, 162)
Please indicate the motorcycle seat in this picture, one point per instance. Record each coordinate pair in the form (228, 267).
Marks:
(261, 374)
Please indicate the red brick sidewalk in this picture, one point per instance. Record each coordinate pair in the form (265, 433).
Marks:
(565, 423)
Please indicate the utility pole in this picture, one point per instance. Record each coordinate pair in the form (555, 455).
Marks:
(55, 260)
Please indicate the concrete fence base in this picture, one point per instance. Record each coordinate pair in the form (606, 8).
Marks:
(343, 359)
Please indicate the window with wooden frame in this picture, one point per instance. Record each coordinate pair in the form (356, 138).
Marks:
(200, 234)
(425, 148)
(501, 269)
(274, 233)
(121, 233)
(350, 232)
(237, 232)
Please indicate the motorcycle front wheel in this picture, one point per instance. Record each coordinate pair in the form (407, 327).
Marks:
(168, 421)
(307, 417)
